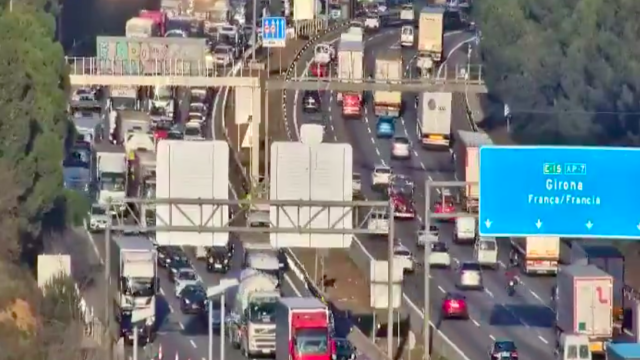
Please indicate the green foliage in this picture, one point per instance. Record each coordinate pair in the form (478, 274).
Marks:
(77, 205)
(569, 69)
(61, 303)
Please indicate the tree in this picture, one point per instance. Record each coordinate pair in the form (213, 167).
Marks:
(567, 68)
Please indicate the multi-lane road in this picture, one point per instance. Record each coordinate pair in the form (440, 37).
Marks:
(525, 317)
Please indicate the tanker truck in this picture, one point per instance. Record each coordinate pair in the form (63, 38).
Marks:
(252, 327)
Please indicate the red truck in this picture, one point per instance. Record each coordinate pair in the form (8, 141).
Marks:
(303, 330)
(158, 17)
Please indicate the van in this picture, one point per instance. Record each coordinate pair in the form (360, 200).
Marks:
(485, 251)
(406, 36)
(465, 230)
(378, 222)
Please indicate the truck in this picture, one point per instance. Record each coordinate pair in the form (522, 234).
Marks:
(389, 70)
(583, 304)
(538, 254)
(134, 284)
(252, 327)
(430, 38)
(158, 17)
(139, 27)
(132, 122)
(303, 329)
(434, 124)
(467, 164)
(609, 259)
(163, 99)
(141, 180)
(350, 68)
(111, 172)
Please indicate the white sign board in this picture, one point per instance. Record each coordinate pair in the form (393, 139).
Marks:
(379, 280)
(243, 103)
(321, 172)
(192, 170)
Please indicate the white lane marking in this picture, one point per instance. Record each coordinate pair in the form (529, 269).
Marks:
(492, 337)
(193, 344)
(181, 325)
(441, 289)
(488, 292)
(474, 322)
(170, 308)
(162, 291)
(543, 339)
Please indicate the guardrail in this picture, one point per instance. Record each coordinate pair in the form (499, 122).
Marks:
(359, 254)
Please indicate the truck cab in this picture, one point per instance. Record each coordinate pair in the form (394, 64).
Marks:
(573, 347)
(304, 330)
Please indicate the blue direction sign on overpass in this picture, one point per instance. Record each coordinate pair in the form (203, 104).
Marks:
(274, 31)
(559, 191)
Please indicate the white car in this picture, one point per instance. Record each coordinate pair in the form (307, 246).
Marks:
(198, 95)
(439, 255)
(403, 255)
(193, 132)
(406, 36)
(195, 117)
(197, 108)
(401, 148)
(323, 53)
(83, 94)
(223, 55)
(470, 276)
(184, 277)
(381, 175)
(427, 237)
(98, 218)
(372, 22)
(356, 184)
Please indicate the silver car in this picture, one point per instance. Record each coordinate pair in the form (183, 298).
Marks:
(470, 276)
(98, 218)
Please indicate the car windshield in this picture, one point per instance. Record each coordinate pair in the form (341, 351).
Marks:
(505, 346)
(383, 171)
(439, 247)
(196, 107)
(487, 245)
(187, 275)
(470, 267)
(356, 177)
(192, 131)
(455, 296)
(343, 345)
(97, 210)
(194, 290)
(402, 252)
(221, 51)
(401, 140)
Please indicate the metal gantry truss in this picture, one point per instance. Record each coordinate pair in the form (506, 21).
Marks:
(210, 213)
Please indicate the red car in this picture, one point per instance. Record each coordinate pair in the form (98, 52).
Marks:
(319, 70)
(454, 305)
(445, 205)
(403, 206)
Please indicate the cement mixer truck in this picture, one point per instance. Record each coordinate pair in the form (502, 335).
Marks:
(252, 327)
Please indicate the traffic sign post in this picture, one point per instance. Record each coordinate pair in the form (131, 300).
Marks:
(559, 191)
(274, 31)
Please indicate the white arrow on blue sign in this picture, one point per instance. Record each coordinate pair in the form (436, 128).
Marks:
(274, 31)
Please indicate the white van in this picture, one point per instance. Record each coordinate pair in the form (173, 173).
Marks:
(378, 222)
(465, 230)
(485, 251)
(406, 36)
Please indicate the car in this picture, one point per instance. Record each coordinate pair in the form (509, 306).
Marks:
(166, 254)
(84, 95)
(193, 299)
(356, 184)
(98, 218)
(223, 55)
(199, 95)
(196, 117)
(178, 262)
(344, 349)
(439, 255)
(372, 22)
(401, 195)
(311, 102)
(427, 237)
(198, 108)
(401, 148)
(193, 131)
(446, 204)
(218, 259)
(385, 127)
(503, 349)
(403, 255)
(184, 278)
(470, 276)
(454, 305)
(381, 175)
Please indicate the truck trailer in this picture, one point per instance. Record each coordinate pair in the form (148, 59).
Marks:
(304, 331)
(538, 254)
(134, 284)
(434, 122)
(583, 305)
(253, 328)
(350, 68)
(430, 38)
(111, 172)
(388, 69)
(467, 164)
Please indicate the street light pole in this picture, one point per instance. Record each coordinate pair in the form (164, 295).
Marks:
(210, 329)
(222, 327)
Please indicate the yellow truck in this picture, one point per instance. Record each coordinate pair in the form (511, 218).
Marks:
(431, 33)
(538, 254)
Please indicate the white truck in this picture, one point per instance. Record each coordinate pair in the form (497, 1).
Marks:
(434, 122)
(583, 304)
(252, 328)
(430, 38)
(138, 27)
(111, 172)
(609, 259)
(467, 164)
(538, 254)
(130, 122)
(388, 70)
(134, 284)
(351, 69)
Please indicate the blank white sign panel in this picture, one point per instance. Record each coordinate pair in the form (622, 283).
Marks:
(320, 172)
(192, 170)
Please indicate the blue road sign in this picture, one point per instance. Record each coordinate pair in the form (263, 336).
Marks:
(274, 31)
(559, 191)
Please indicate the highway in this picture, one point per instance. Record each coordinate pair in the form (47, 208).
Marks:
(525, 317)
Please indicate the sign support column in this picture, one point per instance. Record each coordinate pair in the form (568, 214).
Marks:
(255, 132)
